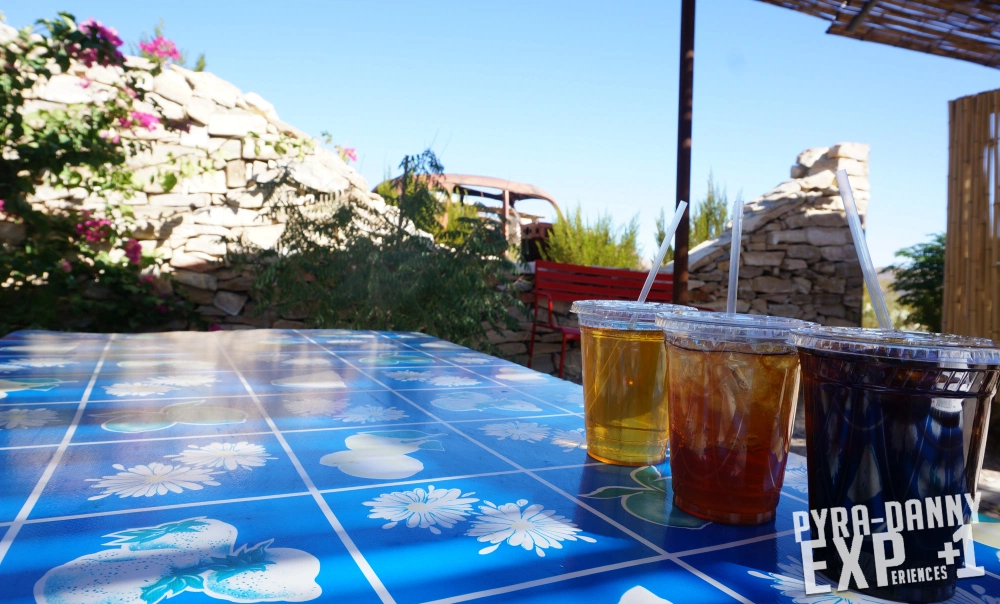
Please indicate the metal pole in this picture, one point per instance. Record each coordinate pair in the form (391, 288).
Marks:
(685, 108)
(505, 215)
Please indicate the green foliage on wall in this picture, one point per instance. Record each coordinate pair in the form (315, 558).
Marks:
(344, 264)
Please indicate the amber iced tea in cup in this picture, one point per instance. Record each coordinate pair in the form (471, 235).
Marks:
(624, 381)
(733, 386)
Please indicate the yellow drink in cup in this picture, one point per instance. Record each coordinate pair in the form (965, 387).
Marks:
(624, 381)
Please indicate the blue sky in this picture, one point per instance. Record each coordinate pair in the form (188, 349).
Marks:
(580, 98)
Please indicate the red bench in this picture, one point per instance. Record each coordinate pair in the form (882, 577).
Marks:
(555, 281)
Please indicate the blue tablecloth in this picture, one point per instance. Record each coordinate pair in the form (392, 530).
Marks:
(346, 466)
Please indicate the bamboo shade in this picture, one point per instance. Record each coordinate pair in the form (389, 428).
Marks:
(972, 251)
(960, 29)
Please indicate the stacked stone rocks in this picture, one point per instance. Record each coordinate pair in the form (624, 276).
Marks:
(797, 258)
(209, 184)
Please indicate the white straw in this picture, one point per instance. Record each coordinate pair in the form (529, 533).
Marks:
(734, 255)
(871, 278)
(678, 214)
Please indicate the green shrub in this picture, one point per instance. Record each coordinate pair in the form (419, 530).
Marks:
(708, 218)
(574, 241)
(344, 265)
(920, 282)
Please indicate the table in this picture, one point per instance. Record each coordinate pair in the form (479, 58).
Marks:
(346, 466)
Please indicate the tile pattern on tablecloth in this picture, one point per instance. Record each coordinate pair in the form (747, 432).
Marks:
(313, 465)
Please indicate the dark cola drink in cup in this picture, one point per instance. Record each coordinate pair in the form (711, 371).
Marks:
(896, 430)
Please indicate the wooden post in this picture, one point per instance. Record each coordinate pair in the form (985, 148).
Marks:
(505, 216)
(685, 109)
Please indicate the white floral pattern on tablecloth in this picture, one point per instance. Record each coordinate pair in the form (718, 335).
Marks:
(11, 419)
(179, 363)
(228, 455)
(33, 363)
(339, 410)
(532, 528)
(419, 508)
(452, 380)
(137, 389)
(371, 414)
(306, 407)
(191, 470)
(513, 374)
(428, 377)
(526, 431)
(152, 479)
(307, 362)
(407, 376)
(480, 401)
(570, 440)
(471, 359)
(184, 381)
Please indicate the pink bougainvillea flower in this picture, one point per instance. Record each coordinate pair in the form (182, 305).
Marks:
(66, 266)
(147, 279)
(161, 308)
(1, 205)
(145, 120)
(347, 154)
(85, 82)
(111, 136)
(160, 48)
(106, 37)
(215, 327)
(133, 251)
(94, 231)
(107, 34)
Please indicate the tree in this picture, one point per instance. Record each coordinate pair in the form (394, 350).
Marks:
(920, 281)
(708, 218)
(345, 263)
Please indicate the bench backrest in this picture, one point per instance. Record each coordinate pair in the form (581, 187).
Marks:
(572, 282)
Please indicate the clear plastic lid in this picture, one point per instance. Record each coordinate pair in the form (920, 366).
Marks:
(724, 327)
(621, 314)
(906, 345)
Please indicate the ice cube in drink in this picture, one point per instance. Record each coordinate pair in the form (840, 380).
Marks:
(733, 385)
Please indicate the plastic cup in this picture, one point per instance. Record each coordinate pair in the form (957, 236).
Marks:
(624, 381)
(733, 388)
(893, 416)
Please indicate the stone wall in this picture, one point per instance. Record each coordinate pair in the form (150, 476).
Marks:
(206, 185)
(797, 258)
(203, 186)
